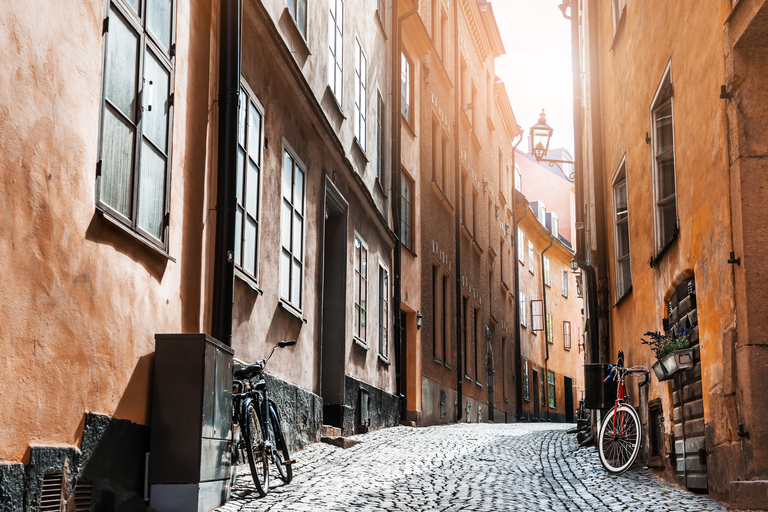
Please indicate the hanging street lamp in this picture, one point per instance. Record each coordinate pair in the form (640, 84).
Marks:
(541, 134)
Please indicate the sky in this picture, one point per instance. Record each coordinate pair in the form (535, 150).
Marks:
(536, 69)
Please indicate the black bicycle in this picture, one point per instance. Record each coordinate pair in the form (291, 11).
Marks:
(256, 426)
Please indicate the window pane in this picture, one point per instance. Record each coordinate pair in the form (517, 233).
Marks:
(156, 82)
(241, 110)
(151, 205)
(254, 133)
(117, 162)
(292, 8)
(622, 235)
(121, 66)
(285, 274)
(159, 21)
(301, 18)
(134, 4)
(668, 221)
(664, 128)
(238, 236)
(296, 283)
(298, 230)
(666, 176)
(239, 184)
(298, 191)
(285, 225)
(252, 194)
(249, 259)
(287, 176)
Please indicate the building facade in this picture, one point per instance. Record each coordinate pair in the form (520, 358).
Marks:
(112, 181)
(670, 150)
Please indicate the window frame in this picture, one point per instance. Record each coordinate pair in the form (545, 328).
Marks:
(552, 389)
(526, 383)
(384, 309)
(361, 96)
(251, 98)
(336, 52)
(301, 166)
(664, 96)
(546, 269)
(550, 327)
(293, 10)
(564, 282)
(146, 42)
(406, 214)
(618, 10)
(530, 257)
(406, 88)
(566, 335)
(554, 225)
(620, 177)
(521, 246)
(523, 310)
(360, 304)
(381, 153)
(537, 313)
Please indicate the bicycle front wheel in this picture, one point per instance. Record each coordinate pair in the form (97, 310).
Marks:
(618, 440)
(280, 453)
(254, 446)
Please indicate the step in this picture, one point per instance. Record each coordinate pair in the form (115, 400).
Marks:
(330, 431)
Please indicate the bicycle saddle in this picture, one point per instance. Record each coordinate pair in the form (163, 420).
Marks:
(247, 372)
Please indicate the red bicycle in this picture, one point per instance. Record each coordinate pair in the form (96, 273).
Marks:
(620, 433)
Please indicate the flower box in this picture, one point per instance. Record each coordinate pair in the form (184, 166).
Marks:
(673, 363)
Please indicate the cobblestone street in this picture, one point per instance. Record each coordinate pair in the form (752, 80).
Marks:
(469, 467)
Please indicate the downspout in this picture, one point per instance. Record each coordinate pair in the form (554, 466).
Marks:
(226, 200)
(515, 259)
(397, 50)
(457, 219)
(546, 327)
(581, 239)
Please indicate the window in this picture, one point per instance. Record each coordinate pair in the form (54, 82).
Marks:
(464, 206)
(503, 258)
(133, 173)
(541, 213)
(335, 48)
(530, 256)
(475, 215)
(465, 345)
(437, 174)
(406, 88)
(554, 225)
(664, 163)
(537, 315)
(618, 13)
(518, 179)
(249, 150)
(463, 84)
(547, 275)
(438, 313)
(567, 335)
(445, 299)
(526, 393)
(504, 363)
(437, 27)
(444, 161)
(406, 211)
(476, 341)
(443, 33)
(520, 245)
(550, 328)
(523, 310)
(292, 231)
(383, 311)
(361, 64)
(381, 11)
(361, 289)
(380, 150)
(298, 10)
(564, 282)
(551, 381)
(621, 232)
(473, 98)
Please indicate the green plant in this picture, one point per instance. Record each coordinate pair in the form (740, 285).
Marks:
(663, 344)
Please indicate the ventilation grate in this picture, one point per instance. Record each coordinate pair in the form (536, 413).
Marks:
(82, 496)
(51, 496)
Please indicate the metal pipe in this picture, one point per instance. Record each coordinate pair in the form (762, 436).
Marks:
(397, 50)
(457, 221)
(515, 258)
(226, 199)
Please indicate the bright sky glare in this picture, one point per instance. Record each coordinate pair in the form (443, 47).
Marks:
(537, 67)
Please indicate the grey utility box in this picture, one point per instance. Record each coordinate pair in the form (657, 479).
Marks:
(189, 459)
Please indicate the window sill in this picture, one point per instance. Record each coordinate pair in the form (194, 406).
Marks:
(336, 103)
(408, 249)
(489, 121)
(531, 271)
(381, 25)
(448, 366)
(291, 310)
(381, 187)
(383, 360)
(297, 32)
(361, 150)
(477, 248)
(249, 281)
(438, 190)
(506, 400)
(437, 361)
(504, 286)
(527, 399)
(407, 124)
(475, 139)
(466, 233)
(476, 382)
(104, 214)
(665, 248)
(468, 378)
(624, 296)
(360, 343)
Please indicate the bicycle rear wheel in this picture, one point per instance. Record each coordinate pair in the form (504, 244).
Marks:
(280, 452)
(618, 440)
(254, 446)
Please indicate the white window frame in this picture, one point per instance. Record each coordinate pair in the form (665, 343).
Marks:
(523, 310)
(554, 225)
(384, 308)
(618, 8)
(293, 9)
(245, 202)
(550, 326)
(381, 110)
(663, 96)
(406, 88)
(546, 270)
(530, 256)
(621, 221)
(336, 49)
(360, 296)
(292, 302)
(361, 95)
(518, 179)
(564, 282)
(566, 335)
(537, 315)
(541, 213)
(526, 385)
(552, 389)
(521, 245)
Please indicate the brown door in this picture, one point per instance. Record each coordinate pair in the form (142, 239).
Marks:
(536, 396)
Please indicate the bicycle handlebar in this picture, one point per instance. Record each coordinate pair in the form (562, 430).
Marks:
(610, 375)
(647, 378)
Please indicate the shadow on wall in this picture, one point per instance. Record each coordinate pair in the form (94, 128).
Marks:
(135, 404)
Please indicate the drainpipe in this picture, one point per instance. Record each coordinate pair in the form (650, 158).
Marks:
(515, 259)
(226, 200)
(546, 327)
(457, 199)
(397, 50)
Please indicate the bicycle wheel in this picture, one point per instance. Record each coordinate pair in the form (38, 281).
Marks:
(280, 451)
(254, 446)
(618, 441)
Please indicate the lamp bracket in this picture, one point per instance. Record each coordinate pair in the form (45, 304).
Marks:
(552, 163)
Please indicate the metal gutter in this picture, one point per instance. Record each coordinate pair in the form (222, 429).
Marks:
(457, 217)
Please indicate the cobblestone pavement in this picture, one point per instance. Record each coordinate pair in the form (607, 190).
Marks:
(467, 467)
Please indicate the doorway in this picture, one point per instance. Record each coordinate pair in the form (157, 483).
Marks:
(568, 399)
(334, 305)
(536, 397)
(403, 364)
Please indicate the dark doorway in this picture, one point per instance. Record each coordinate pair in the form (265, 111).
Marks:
(568, 399)
(536, 397)
(491, 383)
(403, 364)
(334, 305)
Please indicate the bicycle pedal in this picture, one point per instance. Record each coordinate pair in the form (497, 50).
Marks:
(289, 462)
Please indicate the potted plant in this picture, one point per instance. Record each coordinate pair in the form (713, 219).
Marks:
(672, 352)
